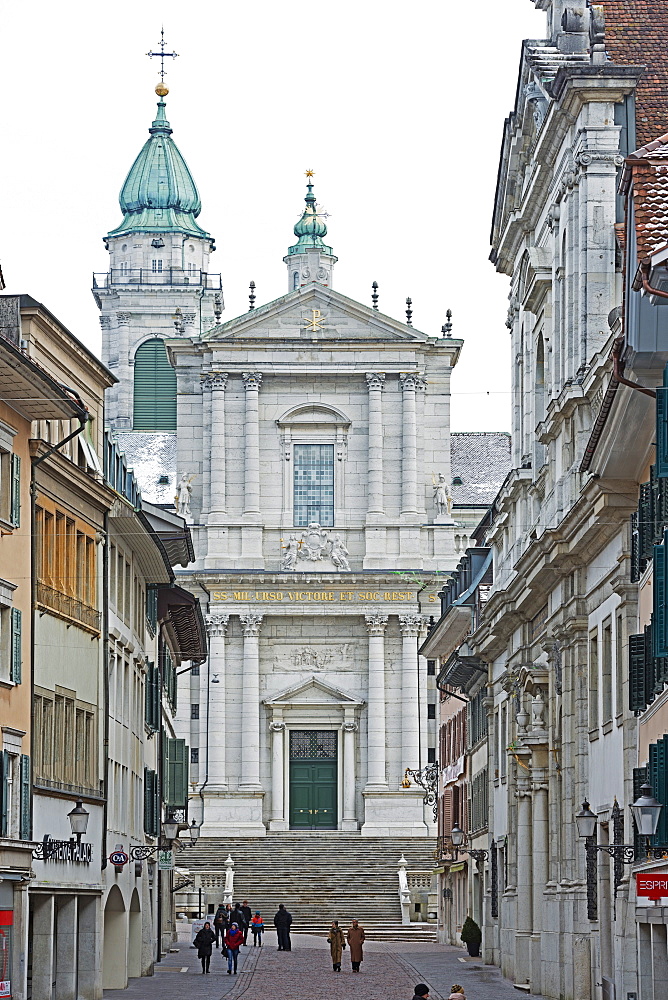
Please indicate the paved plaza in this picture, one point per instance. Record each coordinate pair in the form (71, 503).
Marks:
(389, 972)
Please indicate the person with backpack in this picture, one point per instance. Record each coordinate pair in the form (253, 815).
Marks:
(257, 927)
(220, 924)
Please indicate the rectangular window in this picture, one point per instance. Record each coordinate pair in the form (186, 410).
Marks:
(194, 710)
(431, 668)
(313, 484)
(431, 755)
(619, 666)
(194, 755)
(606, 671)
(503, 759)
(156, 266)
(431, 711)
(593, 680)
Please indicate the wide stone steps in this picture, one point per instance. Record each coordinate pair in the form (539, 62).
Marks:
(318, 876)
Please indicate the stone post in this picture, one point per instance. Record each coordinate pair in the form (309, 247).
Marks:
(125, 387)
(66, 949)
(42, 947)
(375, 484)
(216, 383)
(410, 625)
(376, 774)
(214, 697)
(90, 948)
(410, 383)
(252, 381)
(522, 971)
(250, 710)
(349, 820)
(277, 821)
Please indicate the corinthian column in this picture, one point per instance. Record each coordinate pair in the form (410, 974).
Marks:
(410, 383)
(376, 776)
(375, 486)
(216, 382)
(213, 697)
(250, 709)
(411, 626)
(252, 382)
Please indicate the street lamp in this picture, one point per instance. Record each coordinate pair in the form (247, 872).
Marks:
(457, 839)
(193, 830)
(457, 835)
(586, 821)
(646, 811)
(78, 818)
(170, 827)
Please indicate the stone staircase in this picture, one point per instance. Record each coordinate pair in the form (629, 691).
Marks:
(319, 877)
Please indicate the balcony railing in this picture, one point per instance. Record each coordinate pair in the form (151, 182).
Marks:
(68, 607)
(147, 276)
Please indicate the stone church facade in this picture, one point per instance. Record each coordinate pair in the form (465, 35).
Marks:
(309, 449)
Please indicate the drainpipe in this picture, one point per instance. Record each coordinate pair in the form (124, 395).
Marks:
(105, 684)
(618, 364)
(644, 270)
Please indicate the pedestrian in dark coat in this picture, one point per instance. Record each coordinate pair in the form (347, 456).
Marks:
(282, 921)
(421, 992)
(248, 913)
(237, 915)
(337, 943)
(204, 941)
(233, 939)
(220, 924)
(356, 940)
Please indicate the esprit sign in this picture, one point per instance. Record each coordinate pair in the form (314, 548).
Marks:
(653, 886)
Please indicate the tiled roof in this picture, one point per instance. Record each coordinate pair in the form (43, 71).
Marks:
(482, 461)
(635, 35)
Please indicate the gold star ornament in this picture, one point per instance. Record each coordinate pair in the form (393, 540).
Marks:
(309, 173)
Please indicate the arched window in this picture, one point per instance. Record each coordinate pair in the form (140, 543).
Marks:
(154, 389)
(295, 280)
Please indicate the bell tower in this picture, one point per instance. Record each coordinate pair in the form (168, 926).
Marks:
(310, 259)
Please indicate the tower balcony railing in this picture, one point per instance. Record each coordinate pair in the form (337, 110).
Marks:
(147, 276)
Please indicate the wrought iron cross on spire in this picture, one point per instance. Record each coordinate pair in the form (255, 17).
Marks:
(162, 55)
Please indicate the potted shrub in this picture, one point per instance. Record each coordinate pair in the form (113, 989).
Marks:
(471, 936)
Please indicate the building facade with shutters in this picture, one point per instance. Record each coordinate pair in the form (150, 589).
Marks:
(556, 629)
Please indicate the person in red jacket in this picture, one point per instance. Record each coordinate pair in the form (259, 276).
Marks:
(233, 941)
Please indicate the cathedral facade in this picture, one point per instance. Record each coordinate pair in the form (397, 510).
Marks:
(308, 445)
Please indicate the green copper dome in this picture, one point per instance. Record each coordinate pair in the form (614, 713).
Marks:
(159, 192)
(311, 227)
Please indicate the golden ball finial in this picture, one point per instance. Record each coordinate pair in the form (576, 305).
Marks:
(161, 90)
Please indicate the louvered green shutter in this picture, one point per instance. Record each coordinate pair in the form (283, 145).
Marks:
(154, 388)
(637, 695)
(4, 795)
(26, 789)
(176, 774)
(15, 499)
(645, 521)
(15, 647)
(151, 818)
(659, 643)
(636, 566)
(658, 779)
(662, 430)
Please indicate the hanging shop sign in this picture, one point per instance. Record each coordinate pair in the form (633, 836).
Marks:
(119, 858)
(69, 851)
(165, 861)
(654, 886)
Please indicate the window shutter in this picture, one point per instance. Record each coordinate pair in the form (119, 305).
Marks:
(152, 698)
(176, 774)
(658, 779)
(150, 802)
(645, 521)
(154, 388)
(15, 647)
(4, 795)
(636, 571)
(659, 644)
(662, 431)
(15, 498)
(26, 788)
(637, 693)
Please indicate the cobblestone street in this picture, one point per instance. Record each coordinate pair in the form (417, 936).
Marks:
(389, 972)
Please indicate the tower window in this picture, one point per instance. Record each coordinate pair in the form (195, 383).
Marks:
(124, 268)
(156, 266)
(295, 280)
(154, 388)
(313, 484)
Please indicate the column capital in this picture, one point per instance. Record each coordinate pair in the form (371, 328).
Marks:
(412, 625)
(252, 380)
(251, 624)
(214, 380)
(375, 380)
(277, 727)
(216, 625)
(123, 318)
(410, 381)
(376, 623)
(350, 727)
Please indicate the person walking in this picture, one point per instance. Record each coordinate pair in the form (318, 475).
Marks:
(204, 940)
(220, 924)
(248, 913)
(356, 940)
(237, 915)
(337, 943)
(457, 993)
(282, 921)
(257, 927)
(421, 992)
(233, 939)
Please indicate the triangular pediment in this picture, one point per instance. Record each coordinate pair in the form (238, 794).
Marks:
(317, 314)
(313, 691)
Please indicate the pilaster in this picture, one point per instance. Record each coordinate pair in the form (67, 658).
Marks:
(376, 738)
(214, 697)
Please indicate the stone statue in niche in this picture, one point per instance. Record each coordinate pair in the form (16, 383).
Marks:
(183, 494)
(289, 560)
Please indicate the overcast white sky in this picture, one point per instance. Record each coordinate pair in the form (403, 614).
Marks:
(398, 108)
